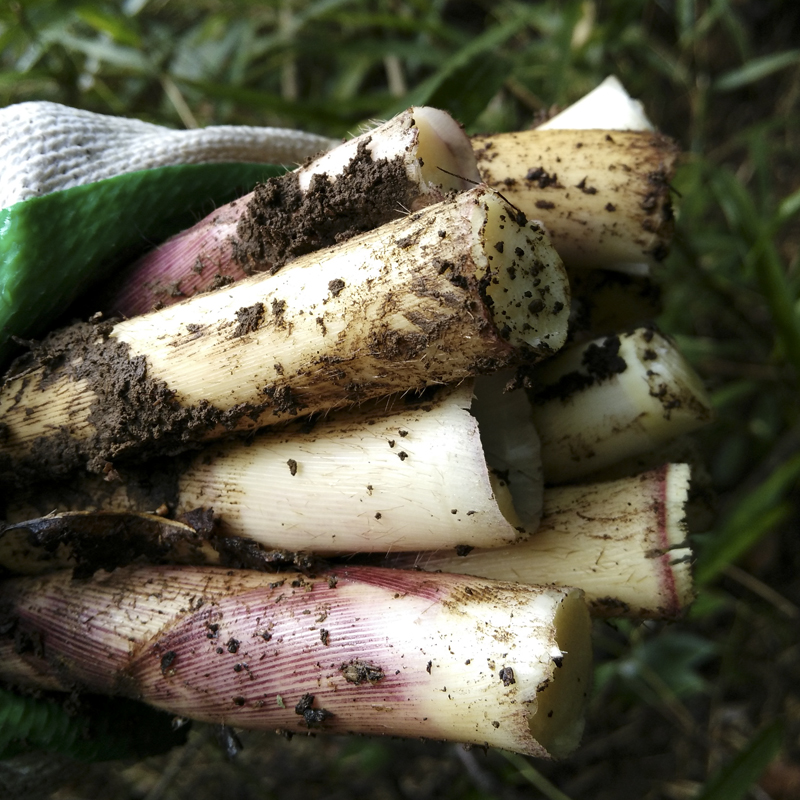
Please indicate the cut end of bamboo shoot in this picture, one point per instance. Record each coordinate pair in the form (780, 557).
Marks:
(520, 272)
(444, 157)
(558, 722)
(363, 650)
(461, 288)
(436, 152)
(623, 542)
(511, 448)
(608, 106)
(605, 401)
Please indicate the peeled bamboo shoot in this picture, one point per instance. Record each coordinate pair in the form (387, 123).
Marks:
(603, 196)
(409, 162)
(601, 402)
(362, 650)
(394, 474)
(460, 288)
(623, 542)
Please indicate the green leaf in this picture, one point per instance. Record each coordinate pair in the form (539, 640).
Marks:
(471, 77)
(666, 664)
(55, 246)
(754, 238)
(18, 84)
(327, 116)
(685, 11)
(755, 70)
(127, 58)
(534, 777)
(787, 208)
(736, 779)
(119, 28)
(467, 91)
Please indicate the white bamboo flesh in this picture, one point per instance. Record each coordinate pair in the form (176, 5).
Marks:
(608, 107)
(444, 472)
(456, 289)
(373, 651)
(602, 195)
(427, 143)
(602, 402)
(430, 142)
(374, 481)
(623, 542)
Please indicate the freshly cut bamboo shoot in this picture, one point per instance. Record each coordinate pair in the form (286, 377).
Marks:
(604, 401)
(405, 164)
(457, 289)
(622, 542)
(365, 650)
(603, 196)
(607, 106)
(391, 475)
(702, 505)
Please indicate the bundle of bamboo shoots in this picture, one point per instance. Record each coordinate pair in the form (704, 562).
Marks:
(392, 400)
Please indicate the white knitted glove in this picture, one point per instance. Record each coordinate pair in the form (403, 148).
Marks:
(46, 147)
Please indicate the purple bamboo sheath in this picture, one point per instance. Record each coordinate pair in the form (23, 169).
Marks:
(366, 650)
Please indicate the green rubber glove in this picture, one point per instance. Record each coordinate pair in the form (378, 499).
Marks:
(55, 247)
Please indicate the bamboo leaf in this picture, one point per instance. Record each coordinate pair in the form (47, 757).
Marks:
(756, 69)
(736, 779)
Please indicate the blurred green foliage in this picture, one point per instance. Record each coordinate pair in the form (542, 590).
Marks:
(721, 76)
(89, 729)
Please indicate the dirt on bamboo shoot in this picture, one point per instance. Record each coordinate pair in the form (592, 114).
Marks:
(601, 402)
(603, 196)
(361, 650)
(409, 162)
(461, 288)
(623, 542)
(400, 473)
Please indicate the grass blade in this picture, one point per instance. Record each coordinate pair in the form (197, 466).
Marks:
(755, 515)
(534, 777)
(470, 78)
(787, 208)
(735, 780)
(756, 69)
